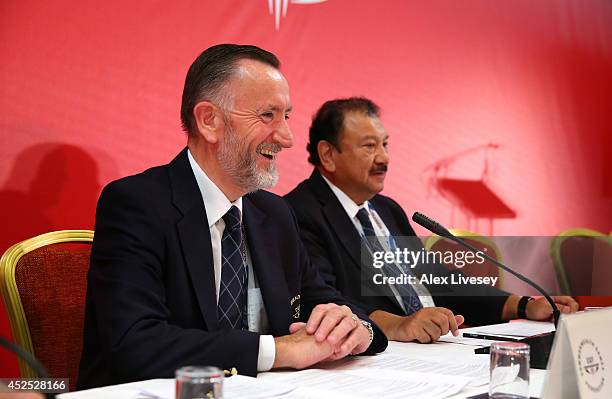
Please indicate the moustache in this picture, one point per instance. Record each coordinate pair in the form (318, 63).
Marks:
(380, 168)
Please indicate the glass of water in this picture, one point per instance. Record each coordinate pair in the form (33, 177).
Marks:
(509, 370)
(197, 382)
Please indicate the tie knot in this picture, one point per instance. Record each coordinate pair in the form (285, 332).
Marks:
(362, 216)
(232, 218)
(366, 225)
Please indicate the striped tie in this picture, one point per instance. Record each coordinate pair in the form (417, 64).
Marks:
(411, 300)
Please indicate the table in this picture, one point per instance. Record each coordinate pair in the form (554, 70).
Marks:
(439, 351)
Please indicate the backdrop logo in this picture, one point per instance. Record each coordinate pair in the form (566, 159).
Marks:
(591, 365)
(278, 8)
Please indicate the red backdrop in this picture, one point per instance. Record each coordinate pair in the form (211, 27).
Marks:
(91, 92)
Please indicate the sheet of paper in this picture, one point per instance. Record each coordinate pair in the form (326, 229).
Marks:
(476, 373)
(368, 383)
(516, 329)
(237, 386)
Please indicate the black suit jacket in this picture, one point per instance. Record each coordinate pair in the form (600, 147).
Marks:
(151, 303)
(334, 246)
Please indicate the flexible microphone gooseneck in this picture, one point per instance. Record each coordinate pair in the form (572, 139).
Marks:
(440, 230)
(29, 359)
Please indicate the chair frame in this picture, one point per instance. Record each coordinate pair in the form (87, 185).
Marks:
(433, 239)
(555, 254)
(10, 293)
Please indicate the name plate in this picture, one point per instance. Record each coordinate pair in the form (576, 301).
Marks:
(580, 365)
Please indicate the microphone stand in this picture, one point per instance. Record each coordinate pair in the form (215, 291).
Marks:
(541, 344)
(29, 359)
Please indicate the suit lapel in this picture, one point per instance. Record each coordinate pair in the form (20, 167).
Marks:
(268, 267)
(194, 236)
(337, 218)
(344, 228)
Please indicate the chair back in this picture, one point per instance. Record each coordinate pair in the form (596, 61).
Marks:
(43, 282)
(486, 269)
(581, 258)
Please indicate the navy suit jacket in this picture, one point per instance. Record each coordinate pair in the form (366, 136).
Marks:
(334, 246)
(151, 304)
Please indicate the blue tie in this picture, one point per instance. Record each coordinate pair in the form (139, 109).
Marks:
(411, 300)
(231, 309)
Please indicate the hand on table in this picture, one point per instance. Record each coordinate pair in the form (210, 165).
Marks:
(427, 325)
(539, 309)
(332, 332)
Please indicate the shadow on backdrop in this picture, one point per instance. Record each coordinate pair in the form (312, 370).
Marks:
(52, 186)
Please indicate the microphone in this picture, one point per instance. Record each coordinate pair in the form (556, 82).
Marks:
(432, 225)
(542, 343)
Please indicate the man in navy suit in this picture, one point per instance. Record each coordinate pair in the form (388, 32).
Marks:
(340, 203)
(193, 264)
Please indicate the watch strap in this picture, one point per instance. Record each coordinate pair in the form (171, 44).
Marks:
(521, 309)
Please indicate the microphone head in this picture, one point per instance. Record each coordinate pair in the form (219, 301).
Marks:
(431, 225)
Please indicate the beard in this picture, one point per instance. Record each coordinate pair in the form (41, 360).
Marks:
(240, 162)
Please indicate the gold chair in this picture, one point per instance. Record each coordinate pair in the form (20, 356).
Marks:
(435, 242)
(572, 254)
(43, 282)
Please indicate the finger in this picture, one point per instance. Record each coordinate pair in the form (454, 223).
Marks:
(357, 342)
(342, 330)
(363, 345)
(295, 327)
(330, 320)
(334, 356)
(459, 319)
(432, 329)
(567, 301)
(441, 321)
(422, 336)
(574, 305)
(453, 326)
(562, 299)
(315, 318)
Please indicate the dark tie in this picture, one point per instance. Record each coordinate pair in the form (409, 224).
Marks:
(231, 309)
(411, 300)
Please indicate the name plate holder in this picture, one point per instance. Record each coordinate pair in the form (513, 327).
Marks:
(580, 365)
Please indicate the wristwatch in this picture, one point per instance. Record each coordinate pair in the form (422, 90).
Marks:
(370, 329)
(522, 307)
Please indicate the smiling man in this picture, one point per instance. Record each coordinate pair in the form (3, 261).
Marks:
(340, 204)
(192, 263)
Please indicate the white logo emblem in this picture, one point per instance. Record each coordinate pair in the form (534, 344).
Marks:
(591, 365)
(279, 7)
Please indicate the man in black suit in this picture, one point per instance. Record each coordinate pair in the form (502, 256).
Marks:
(193, 264)
(340, 203)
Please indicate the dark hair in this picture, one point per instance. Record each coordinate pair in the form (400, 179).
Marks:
(211, 70)
(328, 122)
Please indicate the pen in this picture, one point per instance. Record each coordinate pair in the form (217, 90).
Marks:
(482, 351)
(491, 337)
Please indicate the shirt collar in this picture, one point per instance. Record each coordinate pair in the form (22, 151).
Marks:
(350, 207)
(215, 202)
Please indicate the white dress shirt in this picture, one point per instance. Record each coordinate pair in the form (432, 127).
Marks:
(381, 230)
(217, 205)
